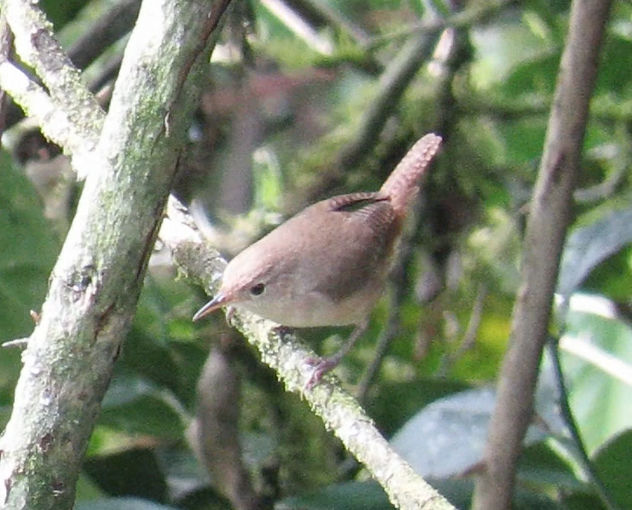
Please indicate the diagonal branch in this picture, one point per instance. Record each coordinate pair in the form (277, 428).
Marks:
(37, 104)
(37, 46)
(549, 217)
(288, 357)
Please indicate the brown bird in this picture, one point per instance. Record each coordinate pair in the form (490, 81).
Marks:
(328, 265)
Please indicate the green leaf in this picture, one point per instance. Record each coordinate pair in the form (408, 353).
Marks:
(343, 496)
(592, 349)
(395, 403)
(615, 68)
(60, 13)
(87, 490)
(524, 140)
(28, 250)
(582, 501)
(183, 471)
(514, 59)
(121, 504)
(537, 75)
(370, 496)
(133, 472)
(447, 437)
(588, 246)
(614, 465)
(146, 357)
(135, 406)
(543, 466)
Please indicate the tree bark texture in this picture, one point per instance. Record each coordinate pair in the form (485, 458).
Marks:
(96, 281)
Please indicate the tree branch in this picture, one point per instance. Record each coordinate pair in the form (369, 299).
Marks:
(6, 43)
(36, 103)
(103, 32)
(550, 214)
(37, 46)
(96, 281)
(288, 357)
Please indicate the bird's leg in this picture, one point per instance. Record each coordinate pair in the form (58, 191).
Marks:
(323, 365)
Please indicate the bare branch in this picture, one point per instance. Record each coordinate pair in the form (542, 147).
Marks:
(550, 214)
(38, 47)
(213, 435)
(103, 32)
(36, 103)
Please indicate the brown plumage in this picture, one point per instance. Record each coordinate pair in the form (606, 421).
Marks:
(328, 265)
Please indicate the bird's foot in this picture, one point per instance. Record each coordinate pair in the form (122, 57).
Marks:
(318, 368)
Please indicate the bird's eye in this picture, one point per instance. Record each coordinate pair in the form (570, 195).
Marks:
(257, 290)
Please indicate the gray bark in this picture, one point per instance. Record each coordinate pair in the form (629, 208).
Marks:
(96, 281)
(549, 217)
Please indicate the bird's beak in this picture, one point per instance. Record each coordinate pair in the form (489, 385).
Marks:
(214, 304)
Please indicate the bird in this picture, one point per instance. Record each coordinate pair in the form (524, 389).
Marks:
(328, 265)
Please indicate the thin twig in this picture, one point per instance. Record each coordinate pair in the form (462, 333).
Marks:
(511, 109)
(476, 15)
(101, 33)
(18, 342)
(587, 465)
(324, 14)
(393, 84)
(471, 333)
(393, 322)
(301, 28)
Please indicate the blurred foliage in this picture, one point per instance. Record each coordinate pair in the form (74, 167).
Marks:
(284, 104)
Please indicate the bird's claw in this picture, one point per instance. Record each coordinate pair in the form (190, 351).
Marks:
(318, 368)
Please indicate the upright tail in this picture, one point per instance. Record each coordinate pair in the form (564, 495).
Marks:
(403, 183)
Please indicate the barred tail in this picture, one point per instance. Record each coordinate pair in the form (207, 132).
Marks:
(403, 183)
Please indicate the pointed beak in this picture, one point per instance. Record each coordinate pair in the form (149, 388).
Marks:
(214, 304)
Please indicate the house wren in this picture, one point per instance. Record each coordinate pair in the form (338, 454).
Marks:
(328, 265)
